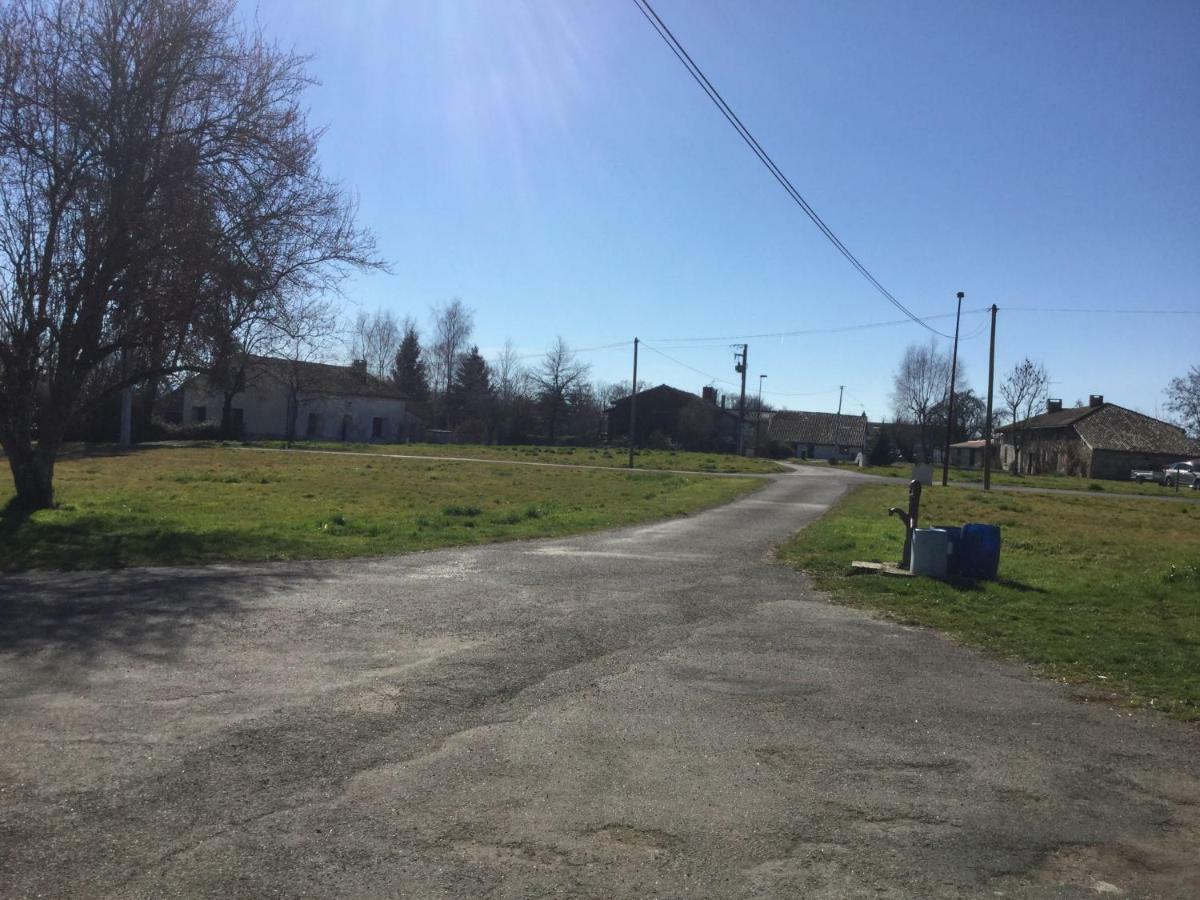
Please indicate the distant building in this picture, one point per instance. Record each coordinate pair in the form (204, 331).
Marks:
(969, 454)
(819, 435)
(304, 401)
(691, 421)
(1100, 440)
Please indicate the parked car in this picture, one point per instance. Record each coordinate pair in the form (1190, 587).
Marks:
(1184, 474)
(1141, 476)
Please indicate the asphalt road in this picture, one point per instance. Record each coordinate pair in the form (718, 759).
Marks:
(655, 711)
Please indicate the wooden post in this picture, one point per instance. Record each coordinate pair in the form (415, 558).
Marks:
(633, 405)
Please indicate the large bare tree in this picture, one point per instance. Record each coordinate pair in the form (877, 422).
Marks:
(159, 191)
(453, 323)
(920, 385)
(1024, 390)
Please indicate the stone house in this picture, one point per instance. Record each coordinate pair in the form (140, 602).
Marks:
(285, 399)
(693, 422)
(1100, 440)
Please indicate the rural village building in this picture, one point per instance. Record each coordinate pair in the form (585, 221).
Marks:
(819, 435)
(1100, 440)
(969, 454)
(318, 401)
(693, 422)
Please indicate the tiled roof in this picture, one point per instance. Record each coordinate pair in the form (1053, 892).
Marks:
(1112, 427)
(1059, 419)
(818, 428)
(335, 381)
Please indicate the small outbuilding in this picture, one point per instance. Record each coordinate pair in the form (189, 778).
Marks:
(819, 435)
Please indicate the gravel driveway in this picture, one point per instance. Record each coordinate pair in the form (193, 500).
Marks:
(656, 711)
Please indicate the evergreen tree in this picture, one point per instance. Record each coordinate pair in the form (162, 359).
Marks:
(471, 397)
(409, 372)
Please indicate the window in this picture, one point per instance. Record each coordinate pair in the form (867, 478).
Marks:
(235, 416)
(199, 413)
(377, 427)
(314, 425)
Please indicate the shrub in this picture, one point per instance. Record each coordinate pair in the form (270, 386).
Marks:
(658, 440)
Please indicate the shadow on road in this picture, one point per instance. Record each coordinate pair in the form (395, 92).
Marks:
(73, 620)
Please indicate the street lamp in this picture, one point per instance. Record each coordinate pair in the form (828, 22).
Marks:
(758, 420)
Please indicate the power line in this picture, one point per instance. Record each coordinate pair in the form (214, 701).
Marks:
(1117, 312)
(708, 375)
(807, 331)
(701, 79)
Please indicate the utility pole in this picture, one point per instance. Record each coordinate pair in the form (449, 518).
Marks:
(950, 406)
(633, 405)
(741, 368)
(758, 420)
(837, 423)
(987, 423)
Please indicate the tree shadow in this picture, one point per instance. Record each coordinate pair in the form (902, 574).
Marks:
(63, 623)
(971, 585)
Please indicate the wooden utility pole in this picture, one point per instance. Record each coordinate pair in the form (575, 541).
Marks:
(950, 406)
(758, 418)
(987, 423)
(633, 405)
(741, 367)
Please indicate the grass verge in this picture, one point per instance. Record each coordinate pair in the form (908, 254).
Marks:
(1092, 590)
(194, 505)
(607, 457)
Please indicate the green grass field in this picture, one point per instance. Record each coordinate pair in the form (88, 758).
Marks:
(1092, 590)
(193, 505)
(1042, 482)
(677, 460)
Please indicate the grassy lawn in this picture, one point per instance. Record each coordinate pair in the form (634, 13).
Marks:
(1092, 589)
(613, 457)
(1044, 482)
(193, 505)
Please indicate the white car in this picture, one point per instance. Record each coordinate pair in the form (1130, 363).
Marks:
(1183, 474)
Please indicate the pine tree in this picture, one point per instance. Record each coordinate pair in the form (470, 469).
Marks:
(471, 397)
(409, 373)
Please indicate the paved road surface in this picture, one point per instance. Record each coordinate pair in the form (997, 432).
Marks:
(656, 711)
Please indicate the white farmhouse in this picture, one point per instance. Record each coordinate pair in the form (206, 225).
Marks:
(291, 400)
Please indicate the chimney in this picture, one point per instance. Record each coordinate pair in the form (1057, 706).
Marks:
(1096, 400)
(709, 393)
(1053, 406)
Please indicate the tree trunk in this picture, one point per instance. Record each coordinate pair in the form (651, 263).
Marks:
(33, 473)
(227, 414)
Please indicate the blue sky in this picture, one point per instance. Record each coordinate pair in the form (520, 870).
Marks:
(552, 164)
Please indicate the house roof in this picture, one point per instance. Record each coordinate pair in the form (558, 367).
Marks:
(322, 378)
(680, 395)
(977, 444)
(798, 427)
(1112, 427)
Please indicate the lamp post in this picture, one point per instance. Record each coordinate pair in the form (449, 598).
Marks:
(758, 420)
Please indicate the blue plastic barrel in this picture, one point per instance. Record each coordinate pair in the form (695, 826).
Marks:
(979, 551)
(955, 534)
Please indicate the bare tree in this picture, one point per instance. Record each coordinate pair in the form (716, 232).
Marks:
(555, 379)
(1024, 391)
(1183, 400)
(921, 383)
(308, 332)
(375, 339)
(452, 326)
(155, 162)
